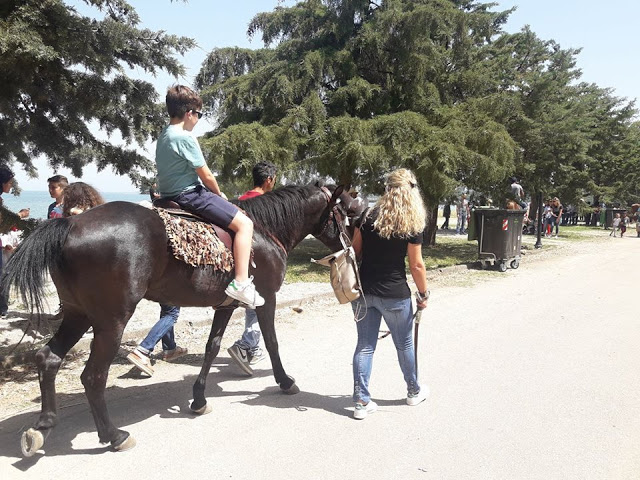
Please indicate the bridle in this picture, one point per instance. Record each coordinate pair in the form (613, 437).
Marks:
(334, 215)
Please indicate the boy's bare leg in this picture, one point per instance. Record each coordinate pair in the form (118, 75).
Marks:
(243, 228)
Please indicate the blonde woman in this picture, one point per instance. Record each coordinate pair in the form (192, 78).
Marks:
(393, 230)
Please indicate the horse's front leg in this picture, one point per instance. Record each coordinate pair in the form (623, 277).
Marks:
(266, 319)
(219, 325)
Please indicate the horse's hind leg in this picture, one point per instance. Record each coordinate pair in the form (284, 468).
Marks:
(219, 325)
(106, 343)
(48, 361)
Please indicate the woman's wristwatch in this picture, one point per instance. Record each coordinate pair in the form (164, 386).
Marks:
(422, 297)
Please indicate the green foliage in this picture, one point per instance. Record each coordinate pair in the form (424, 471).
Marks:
(61, 72)
(350, 89)
(574, 139)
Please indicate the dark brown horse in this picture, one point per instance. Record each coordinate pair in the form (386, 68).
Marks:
(106, 260)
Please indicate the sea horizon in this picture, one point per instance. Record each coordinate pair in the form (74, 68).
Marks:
(38, 201)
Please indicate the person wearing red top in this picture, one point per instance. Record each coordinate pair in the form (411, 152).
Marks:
(246, 351)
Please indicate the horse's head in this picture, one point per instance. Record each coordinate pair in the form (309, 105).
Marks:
(340, 217)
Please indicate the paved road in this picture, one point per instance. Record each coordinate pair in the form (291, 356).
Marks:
(521, 389)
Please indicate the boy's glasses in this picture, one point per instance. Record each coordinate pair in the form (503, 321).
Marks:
(198, 113)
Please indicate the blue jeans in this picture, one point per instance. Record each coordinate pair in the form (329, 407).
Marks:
(251, 336)
(462, 220)
(398, 315)
(162, 330)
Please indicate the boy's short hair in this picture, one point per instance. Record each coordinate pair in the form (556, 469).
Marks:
(181, 99)
(60, 180)
(261, 172)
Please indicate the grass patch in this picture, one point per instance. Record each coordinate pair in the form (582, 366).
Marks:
(449, 251)
(581, 233)
(299, 266)
(446, 252)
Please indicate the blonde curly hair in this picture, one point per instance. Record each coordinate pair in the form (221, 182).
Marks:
(400, 211)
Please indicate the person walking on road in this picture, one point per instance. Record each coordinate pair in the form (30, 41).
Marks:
(246, 351)
(393, 229)
(462, 210)
(162, 330)
(624, 223)
(616, 225)
(446, 213)
(556, 213)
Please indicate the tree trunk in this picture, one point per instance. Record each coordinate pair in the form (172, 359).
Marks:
(595, 218)
(431, 226)
(533, 208)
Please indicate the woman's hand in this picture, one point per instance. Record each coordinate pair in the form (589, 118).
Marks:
(421, 300)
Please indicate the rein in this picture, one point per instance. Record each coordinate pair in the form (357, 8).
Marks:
(276, 241)
(335, 215)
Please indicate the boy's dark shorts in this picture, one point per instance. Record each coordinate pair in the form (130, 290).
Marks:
(208, 205)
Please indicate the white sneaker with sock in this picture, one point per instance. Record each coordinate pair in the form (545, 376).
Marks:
(245, 292)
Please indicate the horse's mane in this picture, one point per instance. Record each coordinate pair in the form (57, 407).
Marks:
(280, 212)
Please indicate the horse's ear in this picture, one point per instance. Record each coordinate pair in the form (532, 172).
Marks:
(336, 193)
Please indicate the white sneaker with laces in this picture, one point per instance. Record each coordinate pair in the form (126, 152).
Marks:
(245, 293)
(361, 411)
(414, 399)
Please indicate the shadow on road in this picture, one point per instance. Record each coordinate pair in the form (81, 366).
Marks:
(135, 404)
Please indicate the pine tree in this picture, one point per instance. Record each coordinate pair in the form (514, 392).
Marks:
(62, 73)
(351, 89)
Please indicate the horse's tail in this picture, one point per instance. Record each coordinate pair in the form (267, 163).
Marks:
(27, 268)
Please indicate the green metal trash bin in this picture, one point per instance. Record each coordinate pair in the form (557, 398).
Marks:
(499, 235)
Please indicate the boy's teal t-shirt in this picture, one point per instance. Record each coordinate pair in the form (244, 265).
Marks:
(178, 154)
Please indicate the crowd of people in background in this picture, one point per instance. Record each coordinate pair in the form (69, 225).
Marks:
(554, 213)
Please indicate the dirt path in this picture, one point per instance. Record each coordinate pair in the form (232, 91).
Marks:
(520, 389)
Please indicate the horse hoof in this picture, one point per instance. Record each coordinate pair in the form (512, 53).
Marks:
(292, 390)
(32, 440)
(128, 444)
(203, 410)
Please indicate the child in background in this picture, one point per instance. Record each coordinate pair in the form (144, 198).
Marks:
(80, 197)
(548, 215)
(57, 184)
(616, 225)
(624, 223)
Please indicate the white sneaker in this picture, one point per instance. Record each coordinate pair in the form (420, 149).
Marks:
(141, 361)
(361, 411)
(245, 293)
(414, 399)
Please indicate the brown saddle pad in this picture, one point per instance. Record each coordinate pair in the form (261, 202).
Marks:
(195, 241)
(225, 235)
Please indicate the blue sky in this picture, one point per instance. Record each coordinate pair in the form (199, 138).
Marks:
(606, 32)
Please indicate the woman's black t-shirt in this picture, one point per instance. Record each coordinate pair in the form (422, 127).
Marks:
(383, 271)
